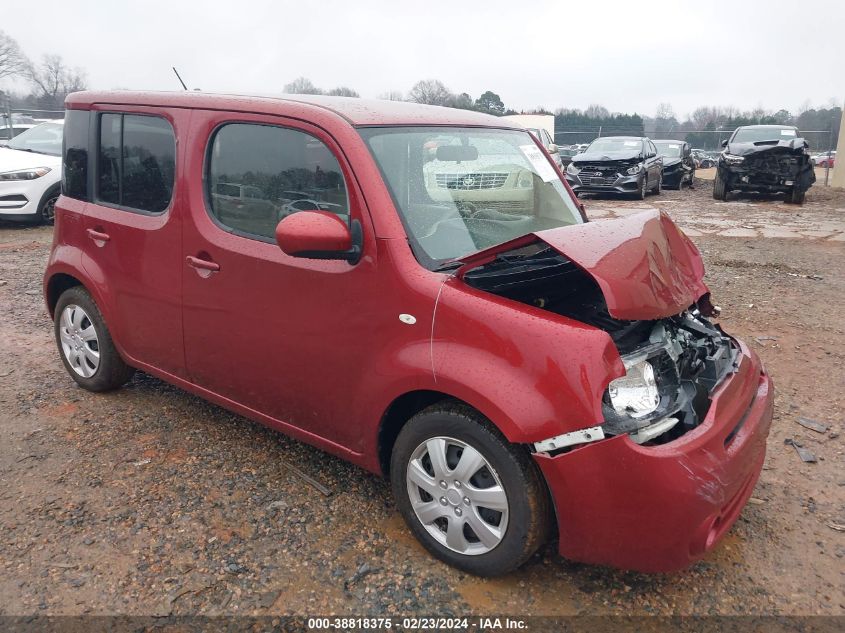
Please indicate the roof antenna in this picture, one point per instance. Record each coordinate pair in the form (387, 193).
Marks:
(179, 77)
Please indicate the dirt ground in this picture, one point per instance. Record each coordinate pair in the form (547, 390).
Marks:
(150, 501)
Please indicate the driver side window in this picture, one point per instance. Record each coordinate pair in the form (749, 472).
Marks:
(259, 174)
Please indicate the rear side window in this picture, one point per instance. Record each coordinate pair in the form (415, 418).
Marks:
(259, 174)
(136, 162)
(75, 155)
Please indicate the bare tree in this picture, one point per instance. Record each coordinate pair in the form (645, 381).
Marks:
(302, 86)
(342, 91)
(391, 95)
(664, 111)
(596, 111)
(52, 81)
(430, 91)
(12, 61)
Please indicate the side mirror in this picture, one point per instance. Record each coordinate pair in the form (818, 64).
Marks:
(319, 235)
(724, 143)
(553, 149)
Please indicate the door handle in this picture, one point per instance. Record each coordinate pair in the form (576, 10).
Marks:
(99, 238)
(203, 266)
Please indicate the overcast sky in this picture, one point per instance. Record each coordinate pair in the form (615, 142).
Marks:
(628, 56)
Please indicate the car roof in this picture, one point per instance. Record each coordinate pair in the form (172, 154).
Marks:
(776, 127)
(666, 140)
(638, 138)
(358, 112)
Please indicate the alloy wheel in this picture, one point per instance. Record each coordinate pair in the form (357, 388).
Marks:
(457, 496)
(48, 212)
(80, 344)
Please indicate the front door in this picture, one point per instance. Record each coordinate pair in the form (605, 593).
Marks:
(280, 335)
(134, 234)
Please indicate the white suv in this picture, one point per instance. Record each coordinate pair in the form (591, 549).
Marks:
(31, 173)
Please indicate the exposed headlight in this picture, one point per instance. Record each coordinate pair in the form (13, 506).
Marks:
(732, 159)
(635, 394)
(525, 180)
(25, 174)
(572, 169)
(633, 171)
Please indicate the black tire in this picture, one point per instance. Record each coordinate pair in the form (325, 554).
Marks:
(111, 372)
(642, 192)
(720, 189)
(795, 196)
(46, 207)
(529, 513)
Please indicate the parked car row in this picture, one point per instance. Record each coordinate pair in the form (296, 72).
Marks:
(824, 159)
(631, 165)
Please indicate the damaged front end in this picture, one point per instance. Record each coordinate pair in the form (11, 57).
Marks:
(767, 167)
(669, 378)
(673, 355)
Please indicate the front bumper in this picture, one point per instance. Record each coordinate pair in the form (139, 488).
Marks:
(742, 177)
(660, 508)
(615, 183)
(19, 199)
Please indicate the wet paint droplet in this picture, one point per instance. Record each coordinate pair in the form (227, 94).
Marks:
(410, 319)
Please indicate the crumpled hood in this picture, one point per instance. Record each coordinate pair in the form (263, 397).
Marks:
(796, 145)
(670, 161)
(644, 265)
(599, 157)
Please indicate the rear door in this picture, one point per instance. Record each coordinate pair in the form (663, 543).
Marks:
(133, 233)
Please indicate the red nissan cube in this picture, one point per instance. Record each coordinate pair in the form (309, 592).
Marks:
(416, 290)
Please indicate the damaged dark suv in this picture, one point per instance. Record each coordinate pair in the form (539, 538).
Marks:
(765, 159)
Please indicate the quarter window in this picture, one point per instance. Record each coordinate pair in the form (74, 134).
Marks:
(259, 174)
(75, 161)
(136, 162)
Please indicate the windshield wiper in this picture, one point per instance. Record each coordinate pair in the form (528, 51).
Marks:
(448, 266)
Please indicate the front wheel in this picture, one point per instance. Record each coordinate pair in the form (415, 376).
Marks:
(720, 187)
(47, 206)
(643, 190)
(795, 196)
(474, 500)
(85, 344)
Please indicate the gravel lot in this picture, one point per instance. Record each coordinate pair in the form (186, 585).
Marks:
(150, 501)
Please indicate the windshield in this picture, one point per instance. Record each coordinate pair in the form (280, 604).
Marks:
(461, 190)
(758, 134)
(44, 139)
(668, 149)
(628, 145)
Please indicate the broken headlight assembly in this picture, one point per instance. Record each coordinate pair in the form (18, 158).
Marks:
(572, 169)
(668, 380)
(635, 394)
(732, 159)
(633, 171)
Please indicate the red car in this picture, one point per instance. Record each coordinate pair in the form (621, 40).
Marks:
(416, 290)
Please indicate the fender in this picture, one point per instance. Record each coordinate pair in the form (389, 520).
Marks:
(533, 373)
(70, 260)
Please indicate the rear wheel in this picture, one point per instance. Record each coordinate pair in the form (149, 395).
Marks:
(85, 344)
(474, 500)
